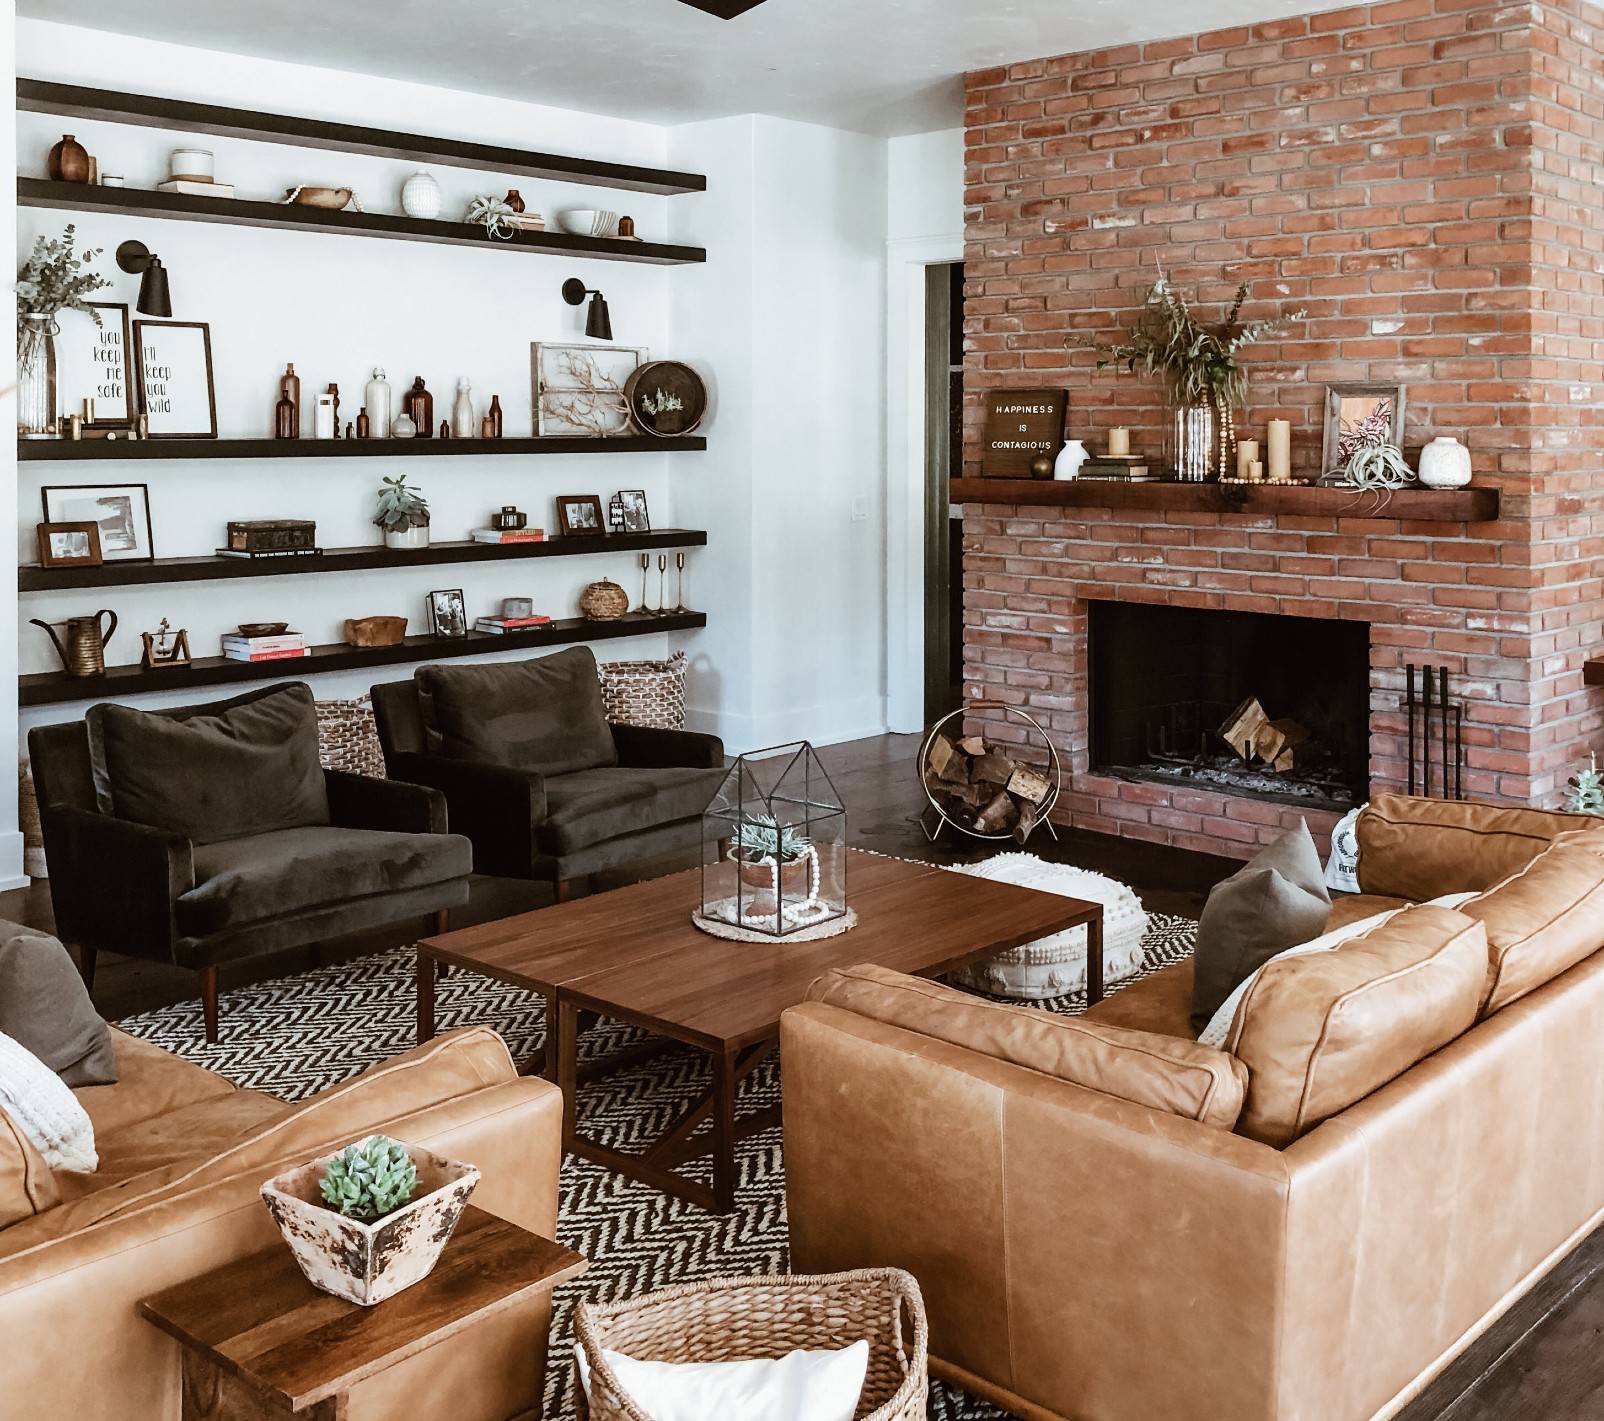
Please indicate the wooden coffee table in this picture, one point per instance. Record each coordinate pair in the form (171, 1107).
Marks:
(632, 955)
(260, 1341)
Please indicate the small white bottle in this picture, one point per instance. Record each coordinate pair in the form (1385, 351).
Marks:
(462, 425)
(378, 405)
(323, 418)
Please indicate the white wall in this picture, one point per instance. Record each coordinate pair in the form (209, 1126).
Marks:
(10, 839)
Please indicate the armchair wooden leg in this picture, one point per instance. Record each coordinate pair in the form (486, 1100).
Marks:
(208, 986)
(87, 957)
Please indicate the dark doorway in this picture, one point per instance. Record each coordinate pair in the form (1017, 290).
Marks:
(944, 529)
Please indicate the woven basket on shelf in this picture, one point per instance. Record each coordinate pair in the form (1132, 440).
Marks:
(348, 739)
(648, 693)
(735, 1319)
(603, 601)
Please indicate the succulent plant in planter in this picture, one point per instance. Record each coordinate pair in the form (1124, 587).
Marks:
(776, 861)
(369, 1180)
(760, 837)
(403, 514)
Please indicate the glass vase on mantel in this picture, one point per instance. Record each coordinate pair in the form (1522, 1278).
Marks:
(36, 378)
(1200, 441)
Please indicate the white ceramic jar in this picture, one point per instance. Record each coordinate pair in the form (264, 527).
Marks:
(420, 197)
(194, 165)
(1444, 463)
(1070, 458)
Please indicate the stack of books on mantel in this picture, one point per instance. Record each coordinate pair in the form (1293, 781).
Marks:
(286, 646)
(509, 535)
(1127, 468)
(500, 626)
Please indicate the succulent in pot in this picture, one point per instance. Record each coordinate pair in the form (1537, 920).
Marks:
(403, 514)
(774, 857)
(370, 1219)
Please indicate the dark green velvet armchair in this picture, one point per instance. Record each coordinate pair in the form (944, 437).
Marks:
(535, 775)
(368, 853)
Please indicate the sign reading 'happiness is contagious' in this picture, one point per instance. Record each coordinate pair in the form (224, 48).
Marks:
(1021, 425)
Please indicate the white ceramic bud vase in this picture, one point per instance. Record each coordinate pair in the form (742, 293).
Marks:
(463, 425)
(420, 196)
(408, 539)
(1070, 458)
(1444, 463)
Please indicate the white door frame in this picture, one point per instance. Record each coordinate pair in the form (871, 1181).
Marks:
(906, 260)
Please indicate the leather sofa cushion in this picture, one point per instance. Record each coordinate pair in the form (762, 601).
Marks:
(1540, 921)
(45, 1007)
(150, 1082)
(27, 1185)
(1318, 1033)
(544, 714)
(243, 881)
(1160, 1003)
(1353, 907)
(1422, 848)
(245, 766)
(591, 806)
(1160, 1072)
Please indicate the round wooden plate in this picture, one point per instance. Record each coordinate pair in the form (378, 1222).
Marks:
(666, 398)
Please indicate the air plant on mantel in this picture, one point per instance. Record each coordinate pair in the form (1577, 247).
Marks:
(1197, 361)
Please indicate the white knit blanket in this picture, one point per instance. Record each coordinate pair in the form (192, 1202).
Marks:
(45, 1110)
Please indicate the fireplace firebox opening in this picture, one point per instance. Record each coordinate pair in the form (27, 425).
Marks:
(1245, 703)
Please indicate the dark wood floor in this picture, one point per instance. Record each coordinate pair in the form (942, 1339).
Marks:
(1541, 1362)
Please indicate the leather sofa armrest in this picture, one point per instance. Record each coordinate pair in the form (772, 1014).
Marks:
(494, 806)
(363, 802)
(113, 883)
(644, 747)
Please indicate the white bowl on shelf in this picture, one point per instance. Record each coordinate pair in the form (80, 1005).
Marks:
(588, 222)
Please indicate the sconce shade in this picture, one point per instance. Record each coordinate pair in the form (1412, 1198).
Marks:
(598, 323)
(154, 297)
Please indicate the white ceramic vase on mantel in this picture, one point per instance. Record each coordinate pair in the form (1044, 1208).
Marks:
(1070, 458)
(1444, 463)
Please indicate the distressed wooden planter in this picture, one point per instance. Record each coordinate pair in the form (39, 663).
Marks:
(367, 1263)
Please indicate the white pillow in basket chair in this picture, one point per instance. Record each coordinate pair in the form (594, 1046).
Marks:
(1056, 965)
(800, 1386)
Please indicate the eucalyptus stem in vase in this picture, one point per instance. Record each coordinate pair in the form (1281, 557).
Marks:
(53, 279)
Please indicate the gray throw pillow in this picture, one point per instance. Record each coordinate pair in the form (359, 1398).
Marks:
(1276, 901)
(223, 771)
(45, 1007)
(544, 714)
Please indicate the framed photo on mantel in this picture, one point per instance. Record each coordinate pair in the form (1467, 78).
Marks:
(1021, 426)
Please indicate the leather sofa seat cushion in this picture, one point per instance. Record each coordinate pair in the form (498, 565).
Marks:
(245, 766)
(1160, 1072)
(591, 806)
(244, 881)
(1423, 848)
(1540, 922)
(1160, 1003)
(45, 1007)
(27, 1184)
(1354, 907)
(150, 1082)
(1319, 1032)
(544, 714)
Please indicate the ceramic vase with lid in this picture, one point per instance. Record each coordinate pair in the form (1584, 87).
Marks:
(376, 400)
(1444, 463)
(462, 411)
(420, 196)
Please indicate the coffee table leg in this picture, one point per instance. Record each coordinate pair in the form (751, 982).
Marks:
(567, 1067)
(548, 1047)
(425, 997)
(1094, 960)
(725, 1077)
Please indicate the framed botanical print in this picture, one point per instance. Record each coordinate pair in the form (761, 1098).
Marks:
(1357, 415)
(120, 511)
(578, 390)
(94, 362)
(174, 363)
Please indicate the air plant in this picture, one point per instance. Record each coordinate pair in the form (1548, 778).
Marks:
(370, 1179)
(401, 507)
(1584, 794)
(760, 837)
(492, 213)
(1377, 465)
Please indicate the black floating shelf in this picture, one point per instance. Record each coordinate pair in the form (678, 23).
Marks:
(70, 450)
(242, 212)
(211, 568)
(53, 687)
(75, 101)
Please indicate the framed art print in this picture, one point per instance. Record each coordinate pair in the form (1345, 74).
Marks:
(578, 390)
(69, 545)
(174, 364)
(93, 362)
(448, 614)
(120, 511)
(579, 515)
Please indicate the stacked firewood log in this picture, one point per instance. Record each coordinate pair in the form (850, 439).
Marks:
(1255, 736)
(982, 788)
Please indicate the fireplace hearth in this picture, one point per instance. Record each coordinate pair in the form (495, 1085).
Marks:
(1168, 683)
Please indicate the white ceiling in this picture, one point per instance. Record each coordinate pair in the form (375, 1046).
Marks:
(880, 66)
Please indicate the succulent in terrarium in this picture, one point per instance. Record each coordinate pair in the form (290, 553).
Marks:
(370, 1179)
(1584, 794)
(401, 507)
(760, 837)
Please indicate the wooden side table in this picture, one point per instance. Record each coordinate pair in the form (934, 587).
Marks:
(259, 1341)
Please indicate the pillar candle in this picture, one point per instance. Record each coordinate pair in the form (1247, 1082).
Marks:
(1119, 441)
(1255, 472)
(1247, 453)
(1280, 450)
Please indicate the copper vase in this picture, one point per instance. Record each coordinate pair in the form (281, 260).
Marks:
(69, 161)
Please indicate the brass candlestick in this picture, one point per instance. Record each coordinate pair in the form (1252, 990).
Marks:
(679, 585)
(662, 574)
(645, 566)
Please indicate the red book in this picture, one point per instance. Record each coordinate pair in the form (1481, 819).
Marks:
(286, 655)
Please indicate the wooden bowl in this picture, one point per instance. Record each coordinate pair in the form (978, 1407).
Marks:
(263, 628)
(375, 631)
(330, 197)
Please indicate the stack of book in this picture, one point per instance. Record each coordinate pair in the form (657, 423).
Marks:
(286, 646)
(1129, 468)
(519, 535)
(500, 626)
(260, 554)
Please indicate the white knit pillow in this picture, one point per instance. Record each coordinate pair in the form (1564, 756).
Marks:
(45, 1110)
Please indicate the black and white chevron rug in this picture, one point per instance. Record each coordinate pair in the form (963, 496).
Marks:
(297, 1035)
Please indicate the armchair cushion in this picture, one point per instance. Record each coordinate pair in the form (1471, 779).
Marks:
(45, 1007)
(246, 766)
(27, 1185)
(590, 806)
(652, 746)
(243, 881)
(543, 714)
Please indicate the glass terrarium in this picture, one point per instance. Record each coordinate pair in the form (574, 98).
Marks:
(774, 852)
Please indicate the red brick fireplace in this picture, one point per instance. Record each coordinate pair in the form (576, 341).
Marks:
(1423, 177)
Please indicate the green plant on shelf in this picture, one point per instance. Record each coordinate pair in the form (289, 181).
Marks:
(370, 1179)
(1584, 794)
(401, 507)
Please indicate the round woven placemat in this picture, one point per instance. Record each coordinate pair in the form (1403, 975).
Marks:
(716, 927)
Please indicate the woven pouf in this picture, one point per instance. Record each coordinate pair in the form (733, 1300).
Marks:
(1055, 966)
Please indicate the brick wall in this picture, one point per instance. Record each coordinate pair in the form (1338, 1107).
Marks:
(1423, 177)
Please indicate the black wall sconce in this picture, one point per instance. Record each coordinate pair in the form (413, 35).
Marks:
(154, 298)
(598, 323)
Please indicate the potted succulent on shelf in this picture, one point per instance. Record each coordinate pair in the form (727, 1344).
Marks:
(776, 861)
(403, 514)
(371, 1219)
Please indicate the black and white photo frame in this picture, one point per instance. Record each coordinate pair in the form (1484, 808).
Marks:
(448, 614)
(120, 511)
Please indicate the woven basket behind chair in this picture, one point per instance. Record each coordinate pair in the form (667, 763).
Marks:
(735, 1319)
(650, 693)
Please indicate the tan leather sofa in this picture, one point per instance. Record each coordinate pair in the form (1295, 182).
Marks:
(182, 1154)
(1115, 1255)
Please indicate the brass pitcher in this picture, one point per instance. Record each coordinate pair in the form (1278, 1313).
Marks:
(85, 651)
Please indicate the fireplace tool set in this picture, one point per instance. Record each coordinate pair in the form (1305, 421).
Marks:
(1424, 710)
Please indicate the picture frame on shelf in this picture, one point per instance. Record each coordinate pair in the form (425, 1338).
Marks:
(173, 362)
(579, 515)
(95, 363)
(636, 517)
(69, 545)
(121, 513)
(448, 614)
(1357, 413)
(577, 390)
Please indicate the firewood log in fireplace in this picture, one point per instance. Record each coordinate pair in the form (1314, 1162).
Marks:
(1255, 736)
(981, 787)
